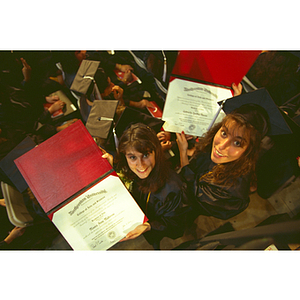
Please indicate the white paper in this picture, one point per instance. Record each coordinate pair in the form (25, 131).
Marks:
(191, 106)
(100, 217)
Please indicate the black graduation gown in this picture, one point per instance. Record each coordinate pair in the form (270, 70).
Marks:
(167, 209)
(210, 199)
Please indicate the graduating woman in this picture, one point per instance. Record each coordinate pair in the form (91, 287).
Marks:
(222, 168)
(155, 186)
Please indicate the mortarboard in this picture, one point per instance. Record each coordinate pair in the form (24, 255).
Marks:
(262, 98)
(85, 76)
(131, 116)
(101, 118)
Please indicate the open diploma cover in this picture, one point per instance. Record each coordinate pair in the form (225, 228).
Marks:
(79, 190)
(199, 80)
(100, 217)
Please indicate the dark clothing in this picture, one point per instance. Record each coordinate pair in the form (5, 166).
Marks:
(166, 210)
(210, 199)
(4, 246)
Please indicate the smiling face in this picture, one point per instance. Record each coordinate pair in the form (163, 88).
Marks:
(229, 143)
(139, 163)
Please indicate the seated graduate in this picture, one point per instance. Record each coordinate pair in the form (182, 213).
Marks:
(157, 189)
(110, 90)
(24, 108)
(221, 171)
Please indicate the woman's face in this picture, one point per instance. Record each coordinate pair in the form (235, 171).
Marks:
(139, 163)
(229, 143)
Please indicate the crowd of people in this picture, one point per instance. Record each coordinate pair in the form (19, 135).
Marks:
(212, 175)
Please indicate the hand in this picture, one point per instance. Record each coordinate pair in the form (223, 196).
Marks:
(52, 99)
(107, 156)
(2, 202)
(166, 145)
(124, 68)
(141, 104)
(56, 106)
(118, 92)
(65, 125)
(26, 70)
(16, 232)
(182, 142)
(237, 89)
(164, 136)
(140, 229)
(127, 76)
(183, 147)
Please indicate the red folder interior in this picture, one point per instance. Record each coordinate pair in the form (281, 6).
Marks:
(62, 165)
(221, 67)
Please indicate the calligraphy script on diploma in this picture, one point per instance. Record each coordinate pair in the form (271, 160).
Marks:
(191, 106)
(100, 217)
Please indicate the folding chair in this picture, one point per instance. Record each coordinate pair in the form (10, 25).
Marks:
(17, 212)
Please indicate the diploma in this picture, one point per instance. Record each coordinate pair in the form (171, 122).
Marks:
(100, 217)
(191, 106)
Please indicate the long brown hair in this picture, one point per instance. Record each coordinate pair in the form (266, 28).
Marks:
(227, 173)
(144, 140)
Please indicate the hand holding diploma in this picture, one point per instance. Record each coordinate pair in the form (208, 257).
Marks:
(183, 148)
(107, 156)
(237, 89)
(140, 229)
(191, 106)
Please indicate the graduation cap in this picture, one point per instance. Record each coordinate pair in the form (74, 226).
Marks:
(85, 76)
(101, 118)
(259, 100)
(131, 116)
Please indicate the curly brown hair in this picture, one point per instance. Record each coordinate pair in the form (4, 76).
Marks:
(144, 140)
(226, 174)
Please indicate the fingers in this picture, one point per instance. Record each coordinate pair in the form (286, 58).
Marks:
(108, 156)
(59, 103)
(118, 92)
(52, 99)
(181, 136)
(149, 104)
(102, 150)
(25, 64)
(166, 145)
(189, 137)
(237, 89)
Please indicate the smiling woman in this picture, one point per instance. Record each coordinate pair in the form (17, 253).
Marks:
(222, 169)
(157, 188)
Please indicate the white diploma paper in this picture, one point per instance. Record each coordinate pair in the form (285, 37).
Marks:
(100, 217)
(191, 106)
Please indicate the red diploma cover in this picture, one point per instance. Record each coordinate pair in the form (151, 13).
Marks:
(62, 165)
(218, 67)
